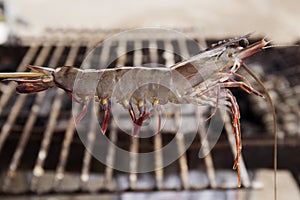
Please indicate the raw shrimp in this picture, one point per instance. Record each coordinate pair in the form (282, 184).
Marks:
(203, 79)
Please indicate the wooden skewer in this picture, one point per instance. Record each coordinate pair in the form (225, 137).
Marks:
(21, 74)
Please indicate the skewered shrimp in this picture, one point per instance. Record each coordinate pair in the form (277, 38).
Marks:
(203, 79)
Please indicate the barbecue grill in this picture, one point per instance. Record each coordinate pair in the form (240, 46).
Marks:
(41, 153)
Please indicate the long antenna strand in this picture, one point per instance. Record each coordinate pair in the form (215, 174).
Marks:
(274, 122)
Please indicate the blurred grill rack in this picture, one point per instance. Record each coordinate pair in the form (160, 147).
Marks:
(40, 152)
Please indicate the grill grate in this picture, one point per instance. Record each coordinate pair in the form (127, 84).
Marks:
(47, 155)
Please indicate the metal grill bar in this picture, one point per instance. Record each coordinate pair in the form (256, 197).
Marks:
(180, 137)
(19, 102)
(159, 171)
(121, 53)
(109, 183)
(85, 172)
(14, 113)
(11, 120)
(104, 56)
(69, 134)
(170, 60)
(133, 162)
(205, 146)
(184, 175)
(29, 123)
(38, 170)
(138, 53)
(21, 68)
(134, 147)
(25, 135)
(60, 170)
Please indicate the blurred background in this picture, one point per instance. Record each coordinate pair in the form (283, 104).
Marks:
(42, 157)
(272, 18)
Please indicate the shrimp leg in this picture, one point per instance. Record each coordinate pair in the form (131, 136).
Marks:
(130, 109)
(242, 85)
(237, 132)
(83, 111)
(138, 123)
(158, 110)
(106, 115)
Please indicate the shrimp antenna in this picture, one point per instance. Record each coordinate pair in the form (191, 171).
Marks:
(274, 124)
(279, 45)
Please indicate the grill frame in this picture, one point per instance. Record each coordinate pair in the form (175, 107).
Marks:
(107, 180)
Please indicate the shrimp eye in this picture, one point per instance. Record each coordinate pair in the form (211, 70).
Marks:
(243, 43)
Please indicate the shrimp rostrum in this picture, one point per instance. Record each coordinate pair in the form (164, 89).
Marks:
(203, 79)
